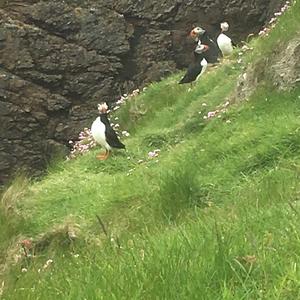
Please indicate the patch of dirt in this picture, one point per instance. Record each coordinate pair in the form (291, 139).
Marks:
(285, 69)
(282, 69)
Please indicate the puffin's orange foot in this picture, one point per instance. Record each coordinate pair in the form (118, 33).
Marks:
(100, 157)
(103, 156)
(106, 155)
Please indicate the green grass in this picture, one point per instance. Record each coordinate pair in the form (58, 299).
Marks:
(215, 216)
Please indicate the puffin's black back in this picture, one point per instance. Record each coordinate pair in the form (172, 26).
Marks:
(212, 54)
(193, 70)
(110, 135)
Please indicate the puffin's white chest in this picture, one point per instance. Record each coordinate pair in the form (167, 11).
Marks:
(225, 44)
(204, 66)
(98, 133)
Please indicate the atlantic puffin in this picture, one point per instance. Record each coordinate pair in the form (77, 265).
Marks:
(201, 36)
(224, 42)
(198, 66)
(104, 134)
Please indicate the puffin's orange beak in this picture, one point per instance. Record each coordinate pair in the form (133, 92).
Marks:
(193, 34)
(205, 47)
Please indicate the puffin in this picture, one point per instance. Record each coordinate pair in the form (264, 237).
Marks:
(104, 134)
(224, 42)
(198, 66)
(198, 34)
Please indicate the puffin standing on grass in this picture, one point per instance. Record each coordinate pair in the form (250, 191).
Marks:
(197, 67)
(224, 42)
(104, 134)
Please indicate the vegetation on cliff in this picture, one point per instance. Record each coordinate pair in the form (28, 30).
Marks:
(213, 214)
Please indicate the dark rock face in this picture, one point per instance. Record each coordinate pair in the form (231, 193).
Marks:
(58, 59)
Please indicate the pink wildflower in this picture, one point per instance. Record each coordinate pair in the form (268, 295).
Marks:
(154, 153)
(26, 244)
(211, 114)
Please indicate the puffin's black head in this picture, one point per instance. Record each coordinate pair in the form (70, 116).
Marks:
(196, 33)
(224, 26)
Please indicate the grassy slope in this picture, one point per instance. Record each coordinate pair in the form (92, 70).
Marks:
(214, 217)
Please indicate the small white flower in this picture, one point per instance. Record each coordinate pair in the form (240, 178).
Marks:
(142, 254)
(226, 104)
(245, 48)
(48, 263)
(124, 132)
